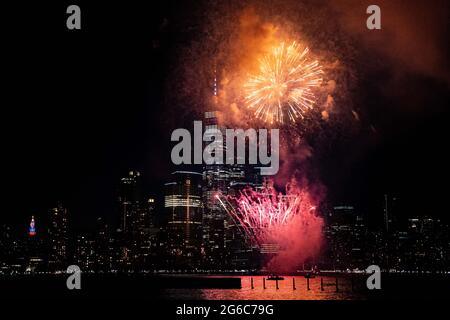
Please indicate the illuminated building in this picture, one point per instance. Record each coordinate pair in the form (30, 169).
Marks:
(129, 200)
(223, 242)
(129, 208)
(144, 235)
(183, 207)
(216, 180)
(391, 210)
(344, 232)
(6, 248)
(34, 249)
(58, 238)
(32, 228)
(13, 256)
(85, 256)
(103, 259)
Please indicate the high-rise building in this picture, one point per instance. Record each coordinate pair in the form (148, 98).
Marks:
(58, 238)
(345, 231)
(103, 259)
(183, 207)
(216, 180)
(32, 228)
(223, 242)
(145, 234)
(85, 255)
(129, 199)
(6, 253)
(34, 248)
(392, 210)
(12, 251)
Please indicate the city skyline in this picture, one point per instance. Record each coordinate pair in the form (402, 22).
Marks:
(209, 156)
(148, 242)
(190, 228)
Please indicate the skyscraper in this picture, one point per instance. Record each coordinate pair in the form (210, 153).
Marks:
(392, 209)
(6, 247)
(144, 235)
(58, 238)
(84, 253)
(129, 199)
(34, 248)
(32, 228)
(216, 180)
(341, 221)
(183, 206)
(103, 258)
(223, 243)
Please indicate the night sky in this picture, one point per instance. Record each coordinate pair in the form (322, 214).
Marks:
(81, 108)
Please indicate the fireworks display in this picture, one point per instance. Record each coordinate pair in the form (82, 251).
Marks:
(264, 215)
(261, 71)
(283, 86)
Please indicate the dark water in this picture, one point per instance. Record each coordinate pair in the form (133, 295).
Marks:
(285, 290)
(350, 287)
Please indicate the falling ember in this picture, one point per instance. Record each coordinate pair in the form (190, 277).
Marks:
(283, 86)
(288, 221)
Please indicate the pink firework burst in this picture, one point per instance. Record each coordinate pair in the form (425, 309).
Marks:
(266, 215)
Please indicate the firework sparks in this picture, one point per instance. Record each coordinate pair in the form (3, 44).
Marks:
(284, 84)
(264, 214)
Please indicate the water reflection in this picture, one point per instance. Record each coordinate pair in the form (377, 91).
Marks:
(285, 290)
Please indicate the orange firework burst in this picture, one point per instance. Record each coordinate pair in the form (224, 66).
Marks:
(284, 84)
